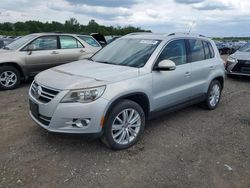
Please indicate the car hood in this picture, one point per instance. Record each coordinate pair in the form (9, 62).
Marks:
(84, 74)
(6, 52)
(8, 55)
(241, 55)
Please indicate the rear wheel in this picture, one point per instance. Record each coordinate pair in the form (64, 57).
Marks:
(124, 126)
(9, 78)
(213, 95)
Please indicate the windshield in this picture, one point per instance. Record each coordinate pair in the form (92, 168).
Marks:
(19, 42)
(127, 52)
(245, 48)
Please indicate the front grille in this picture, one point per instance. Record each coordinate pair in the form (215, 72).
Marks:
(34, 109)
(43, 93)
(245, 70)
(243, 66)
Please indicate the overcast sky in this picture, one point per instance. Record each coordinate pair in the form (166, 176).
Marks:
(208, 17)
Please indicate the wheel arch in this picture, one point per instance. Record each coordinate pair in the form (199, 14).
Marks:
(18, 67)
(139, 97)
(220, 79)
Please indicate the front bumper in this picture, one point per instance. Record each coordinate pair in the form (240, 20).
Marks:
(242, 67)
(60, 117)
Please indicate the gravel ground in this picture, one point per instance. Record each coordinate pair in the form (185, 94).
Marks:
(190, 148)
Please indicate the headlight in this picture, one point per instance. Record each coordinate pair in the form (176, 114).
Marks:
(84, 95)
(231, 59)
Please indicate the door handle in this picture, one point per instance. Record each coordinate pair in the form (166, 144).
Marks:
(54, 52)
(187, 74)
(82, 51)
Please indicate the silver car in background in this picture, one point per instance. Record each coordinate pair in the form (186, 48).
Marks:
(131, 80)
(239, 62)
(27, 56)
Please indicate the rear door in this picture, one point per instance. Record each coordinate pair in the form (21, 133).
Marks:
(201, 59)
(70, 49)
(43, 55)
(172, 87)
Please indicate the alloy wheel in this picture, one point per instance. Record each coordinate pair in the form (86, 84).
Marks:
(126, 126)
(8, 78)
(214, 95)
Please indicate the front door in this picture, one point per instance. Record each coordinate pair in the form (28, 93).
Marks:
(172, 87)
(44, 54)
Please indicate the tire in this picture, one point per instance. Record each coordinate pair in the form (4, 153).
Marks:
(10, 78)
(131, 131)
(211, 103)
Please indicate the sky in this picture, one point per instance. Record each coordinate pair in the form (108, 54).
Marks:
(214, 18)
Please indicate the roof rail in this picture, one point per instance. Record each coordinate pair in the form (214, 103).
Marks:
(138, 33)
(191, 34)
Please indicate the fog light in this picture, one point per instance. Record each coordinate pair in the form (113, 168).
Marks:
(81, 123)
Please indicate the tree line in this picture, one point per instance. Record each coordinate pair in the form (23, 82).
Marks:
(70, 26)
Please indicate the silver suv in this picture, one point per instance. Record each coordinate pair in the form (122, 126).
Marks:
(131, 80)
(33, 53)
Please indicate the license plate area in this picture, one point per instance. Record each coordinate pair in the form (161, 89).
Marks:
(34, 109)
(245, 70)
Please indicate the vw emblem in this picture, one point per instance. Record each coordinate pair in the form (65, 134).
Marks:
(38, 92)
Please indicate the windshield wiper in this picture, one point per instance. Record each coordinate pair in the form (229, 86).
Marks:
(106, 62)
(90, 59)
(5, 48)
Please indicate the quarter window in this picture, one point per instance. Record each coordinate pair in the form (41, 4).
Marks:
(45, 43)
(207, 51)
(89, 40)
(211, 50)
(68, 42)
(196, 50)
(175, 51)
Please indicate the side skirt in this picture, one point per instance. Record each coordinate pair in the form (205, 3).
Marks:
(158, 113)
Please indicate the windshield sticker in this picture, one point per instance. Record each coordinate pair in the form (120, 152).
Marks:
(153, 42)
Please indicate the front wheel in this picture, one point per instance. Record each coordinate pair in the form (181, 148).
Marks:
(213, 95)
(9, 78)
(124, 126)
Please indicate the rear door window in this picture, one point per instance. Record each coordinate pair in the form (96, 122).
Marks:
(197, 52)
(68, 42)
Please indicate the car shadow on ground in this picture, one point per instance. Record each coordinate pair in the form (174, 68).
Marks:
(88, 142)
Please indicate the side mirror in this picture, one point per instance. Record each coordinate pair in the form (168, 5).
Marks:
(166, 65)
(30, 48)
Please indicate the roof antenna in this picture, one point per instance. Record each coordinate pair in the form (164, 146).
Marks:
(191, 27)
